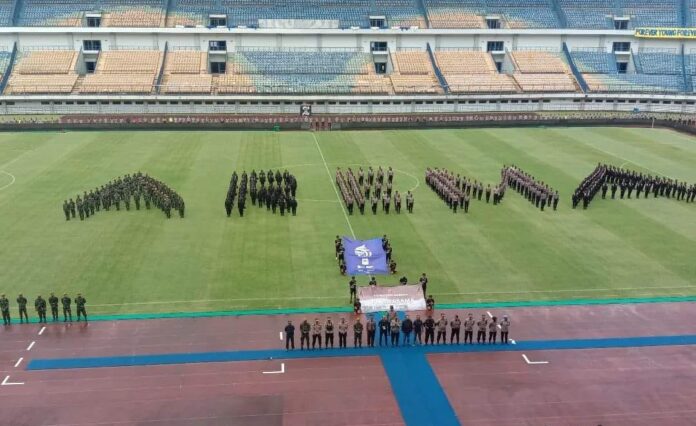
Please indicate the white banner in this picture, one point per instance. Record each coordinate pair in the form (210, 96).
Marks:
(402, 298)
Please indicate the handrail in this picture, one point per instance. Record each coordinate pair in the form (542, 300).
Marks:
(160, 75)
(574, 69)
(8, 71)
(438, 73)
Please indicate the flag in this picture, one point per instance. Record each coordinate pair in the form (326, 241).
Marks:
(365, 257)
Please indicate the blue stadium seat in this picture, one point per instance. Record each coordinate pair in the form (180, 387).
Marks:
(658, 63)
(595, 62)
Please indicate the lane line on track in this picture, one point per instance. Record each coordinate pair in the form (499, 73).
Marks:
(333, 185)
(42, 330)
(533, 362)
(281, 335)
(19, 361)
(6, 382)
(281, 371)
(31, 345)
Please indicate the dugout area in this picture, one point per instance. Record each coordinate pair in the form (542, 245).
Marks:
(590, 364)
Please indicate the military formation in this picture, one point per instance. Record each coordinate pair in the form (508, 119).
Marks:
(392, 331)
(340, 252)
(616, 181)
(539, 194)
(137, 190)
(370, 189)
(278, 196)
(41, 305)
(458, 191)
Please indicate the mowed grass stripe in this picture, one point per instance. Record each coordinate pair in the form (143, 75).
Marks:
(620, 248)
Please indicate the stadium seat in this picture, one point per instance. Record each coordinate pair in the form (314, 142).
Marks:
(481, 83)
(658, 63)
(539, 62)
(595, 62)
(47, 71)
(465, 62)
(545, 82)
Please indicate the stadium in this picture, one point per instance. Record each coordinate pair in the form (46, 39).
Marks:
(543, 151)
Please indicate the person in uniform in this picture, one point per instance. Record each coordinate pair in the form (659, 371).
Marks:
(342, 333)
(375, 201)
(373, 281)
(429, 330)
(403, 280)
(482, 325)
(395, 327)
(492, 330)
(80, 304)
(352, 284)
(424, 283)
(67, 311)
(417, 330)
(289, 336)
(304, 334)
(488, 193)
(430, 303)
(316, 333)
(66, 210)
(328, 333)
(455, 325)
(406, 329)
(504, 329)
(53, 302)
(371, 327)
(613, 190)
(442, 329)
(409, 202)
(357, 334)
(357, 306)
(384, 330)
(22, 303)
(469, 329)
(40, 306)
(466, 203)
(5, 309)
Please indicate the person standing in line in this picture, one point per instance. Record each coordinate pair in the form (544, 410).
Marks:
(442, 329)
(504, 329)
(5, 308)
(53, 301)
(328, 334)
(289, 336)
(67, 311)
(316, 333)
(80, 304)
(22, 303)
(304, 334)
(406, 329)
(417, 330)
(357, 334)
(469, 329)
(482, 325)
(395, 328)
(353, 285)
(342, 333)
(429, 330)
(384, 330)
(371, 327)
(455, 325)
(40, 306)
(493, 330)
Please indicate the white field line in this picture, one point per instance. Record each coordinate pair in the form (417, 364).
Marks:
(281, 335)
(11, 182)
(281, 371)
(533, 362)
(6, 382)
(333, 185)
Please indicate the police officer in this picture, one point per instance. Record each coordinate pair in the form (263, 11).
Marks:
(371, 327)
(409, 202)
(304, 334)
(442, 329)
(429, 330)
(352, 284)
(316, 333)
(5, 309)
(384, 330)
(53, 302)
(493, 330)
(406, 329)
(22, 303)
(289, 336)
(395, 328)
(482, 325)
(424, 283)
(455, 325)
(328, 333)
(469, 329)
(417, 330)
(504, 329)
(80, 304)
(66, 210)
(342, 333)
(40, 306)
(357, 334)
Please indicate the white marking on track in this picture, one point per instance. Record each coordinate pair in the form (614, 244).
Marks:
(281, 335)
(31, 345)
(333, 184)
(19, 361)
(6, 382)
(489, 314)
(533, 362)
(513, 341)
(11, 182)
(281, 371)
(42, 330)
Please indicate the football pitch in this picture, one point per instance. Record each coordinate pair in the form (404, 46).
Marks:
(140, 262)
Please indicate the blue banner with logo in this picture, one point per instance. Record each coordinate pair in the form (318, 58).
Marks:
(365, 257)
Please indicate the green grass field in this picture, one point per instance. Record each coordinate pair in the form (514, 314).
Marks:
(138, 261)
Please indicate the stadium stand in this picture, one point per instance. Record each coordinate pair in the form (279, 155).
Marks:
(5, 58)
(651, 13)
(132, 13)
(659, 63)
(186, 71)
(635, 83)
(413, 73)
(545, 82)
(595, 62)
(123, 71)
(452, 14)
(590, 14)
(541, 71)
(402, 13)
(472, 72)
(6, 10)
(70, 13)
(471, 13)
(50, 71)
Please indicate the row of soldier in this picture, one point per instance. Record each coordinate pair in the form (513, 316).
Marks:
(536, 192)
(358, 191)
(40, 305)
(398, 332)
(112, 194)
(607, 178)
(279, 195)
